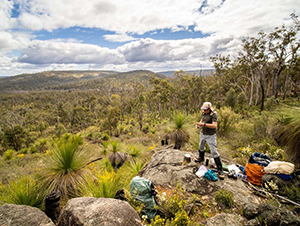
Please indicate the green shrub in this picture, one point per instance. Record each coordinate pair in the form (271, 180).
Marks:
(241, 100)
(225, 198)
(270, 104)
(261, 123)
(292, 192)
(227, 120)
(33, 149)
(105, 136)
(23, 151)
(230, 99)
(8, 154)
(174, 209)
(134, 151)
(24, 191)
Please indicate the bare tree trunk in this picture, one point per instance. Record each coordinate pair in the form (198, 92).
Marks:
(251, 93)
(286, 84)
(257, 95)
(262, 96)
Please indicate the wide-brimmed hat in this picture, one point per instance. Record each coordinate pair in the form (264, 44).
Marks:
(206, 105)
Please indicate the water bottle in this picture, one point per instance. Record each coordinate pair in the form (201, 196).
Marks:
(241, 176)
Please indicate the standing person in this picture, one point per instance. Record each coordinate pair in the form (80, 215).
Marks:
(208, 134)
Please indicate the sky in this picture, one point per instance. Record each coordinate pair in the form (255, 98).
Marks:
(124, 35)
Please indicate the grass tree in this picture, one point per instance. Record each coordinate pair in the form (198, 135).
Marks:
(23, 191)
(287, 132)
(116, 157)
(104, 184)
(65, 166)
(180, 135)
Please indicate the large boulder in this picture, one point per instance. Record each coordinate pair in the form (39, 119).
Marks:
(22, 215)
(166, 169)
(88, 211)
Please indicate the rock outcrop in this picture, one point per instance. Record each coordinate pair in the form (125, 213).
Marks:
(22, 215)
(269, 215)
(88, 211)
(166, 169)
(224, 219)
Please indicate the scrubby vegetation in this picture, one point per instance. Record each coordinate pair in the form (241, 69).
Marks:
(77, 141)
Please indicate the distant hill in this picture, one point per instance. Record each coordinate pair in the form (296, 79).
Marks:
(204, 72)
(70, 80)
(62, 80)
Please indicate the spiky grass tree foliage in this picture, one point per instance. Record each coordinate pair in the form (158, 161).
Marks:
(24, 191)
(287, 133)
(103, 184)
(180, 135)
(133, 167)
(65, 166)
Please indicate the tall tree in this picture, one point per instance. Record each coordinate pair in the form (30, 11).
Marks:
(254, 61)
(283, 47)
(139, 102)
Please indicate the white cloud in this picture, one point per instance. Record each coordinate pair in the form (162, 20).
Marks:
(57, 51)
(244, 18)
(5, 15)
(10, 41)
(118, 38)
(136, 16)
(226, 22)
(150, 50)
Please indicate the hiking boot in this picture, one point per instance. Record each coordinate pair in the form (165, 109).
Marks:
(219, 167)
(201, 157)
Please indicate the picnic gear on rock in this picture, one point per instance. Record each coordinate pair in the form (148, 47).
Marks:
(260, 159)
(280, 167)
(254, 173)
(186, 159)
(232, 174)
(242, 176)
(234, 168)
(210, 175)
(201, 171)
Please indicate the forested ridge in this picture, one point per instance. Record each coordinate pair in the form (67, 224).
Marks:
(104, 113)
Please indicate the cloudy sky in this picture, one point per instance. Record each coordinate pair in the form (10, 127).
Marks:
(123, 35)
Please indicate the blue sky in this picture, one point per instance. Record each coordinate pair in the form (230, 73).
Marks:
(158, 35)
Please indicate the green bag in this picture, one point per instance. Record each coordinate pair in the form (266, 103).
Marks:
(143, 190)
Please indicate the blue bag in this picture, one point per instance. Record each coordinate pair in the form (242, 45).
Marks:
(211, 175)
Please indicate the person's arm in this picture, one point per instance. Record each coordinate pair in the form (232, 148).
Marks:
(212, 125)
(198, 124)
